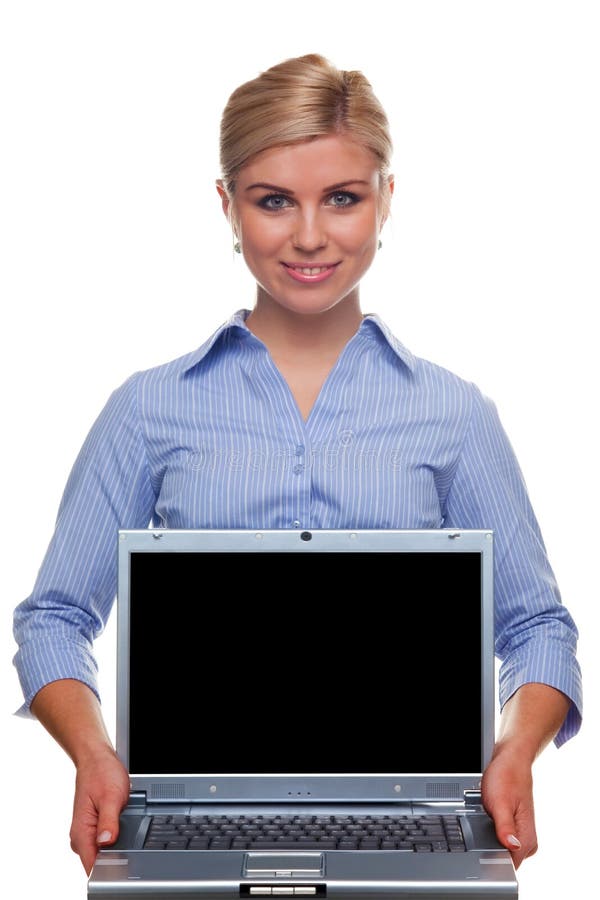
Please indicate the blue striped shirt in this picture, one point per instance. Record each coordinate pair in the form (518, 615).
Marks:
(214, 439)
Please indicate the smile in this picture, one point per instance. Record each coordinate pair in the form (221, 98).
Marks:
(310, 274)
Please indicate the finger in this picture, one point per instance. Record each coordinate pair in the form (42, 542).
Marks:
(84, 845)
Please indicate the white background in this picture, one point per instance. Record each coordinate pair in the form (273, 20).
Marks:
(115, 256)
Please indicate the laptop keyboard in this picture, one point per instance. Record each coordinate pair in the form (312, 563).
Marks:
(419, 834)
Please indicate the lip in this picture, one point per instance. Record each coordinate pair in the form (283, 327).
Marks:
(294, 271)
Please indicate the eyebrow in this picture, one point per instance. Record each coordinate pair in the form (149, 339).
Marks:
(284, 190)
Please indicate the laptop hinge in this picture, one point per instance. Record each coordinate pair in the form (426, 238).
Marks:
(472, 798)
(137, 799)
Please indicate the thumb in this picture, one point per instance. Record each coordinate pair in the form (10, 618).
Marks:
(511, 841)
(106, 836)
(107, 830)
(506, 831)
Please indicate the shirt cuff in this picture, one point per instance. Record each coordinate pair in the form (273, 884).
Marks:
(39, 663)
(531, 665)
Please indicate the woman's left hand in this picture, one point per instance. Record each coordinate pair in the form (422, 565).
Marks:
(507, 795)
(530, 720)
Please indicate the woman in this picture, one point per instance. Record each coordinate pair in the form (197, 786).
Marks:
(300, 413)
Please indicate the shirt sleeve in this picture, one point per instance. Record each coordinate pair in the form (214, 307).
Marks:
(108, 488)
(535, 635)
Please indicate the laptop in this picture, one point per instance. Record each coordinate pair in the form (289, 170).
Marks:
(305, 713)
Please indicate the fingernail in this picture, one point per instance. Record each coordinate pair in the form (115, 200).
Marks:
(103, 837)
(514, 841)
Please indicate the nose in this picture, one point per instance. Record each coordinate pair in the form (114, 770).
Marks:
(309, 234)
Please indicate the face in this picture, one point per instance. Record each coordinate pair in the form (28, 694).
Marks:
(308, 217)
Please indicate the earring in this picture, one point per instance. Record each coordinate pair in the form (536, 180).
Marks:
(379, 244)
(237, 247)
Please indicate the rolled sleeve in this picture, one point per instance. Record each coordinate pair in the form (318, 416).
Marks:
(109, 488)
(535, 635)
(549, 660)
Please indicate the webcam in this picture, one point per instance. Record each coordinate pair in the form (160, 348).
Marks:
(305, 536)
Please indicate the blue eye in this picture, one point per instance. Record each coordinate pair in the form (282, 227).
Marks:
(344, 198)
(273, 201)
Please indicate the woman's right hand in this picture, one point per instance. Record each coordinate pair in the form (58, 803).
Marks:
(71, 712)
(101, 792)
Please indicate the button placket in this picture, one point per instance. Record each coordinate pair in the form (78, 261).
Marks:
(300, 472)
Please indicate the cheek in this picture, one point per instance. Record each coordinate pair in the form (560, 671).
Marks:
(263, 235)
(359, 233)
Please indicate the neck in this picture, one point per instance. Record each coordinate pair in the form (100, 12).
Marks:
(290, 333)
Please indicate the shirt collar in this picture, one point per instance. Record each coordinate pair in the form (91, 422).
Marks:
(377, 326)
(236, 322)
(371, 325)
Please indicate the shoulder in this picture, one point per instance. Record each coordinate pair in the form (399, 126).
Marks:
(436, 376)
(456, 400)
(430, 382)
(175, 370)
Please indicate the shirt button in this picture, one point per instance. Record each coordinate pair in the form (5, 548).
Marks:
(296, 523)
(299, 449)
(298, 469)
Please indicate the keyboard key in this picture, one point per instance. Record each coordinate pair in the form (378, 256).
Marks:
(291, 845)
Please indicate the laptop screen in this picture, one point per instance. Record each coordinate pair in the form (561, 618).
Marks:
(353, 661)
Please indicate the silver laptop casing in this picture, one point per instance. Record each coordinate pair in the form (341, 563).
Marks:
(126, 870)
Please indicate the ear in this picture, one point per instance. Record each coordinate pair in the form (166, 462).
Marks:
(225, 202)
(386, 210)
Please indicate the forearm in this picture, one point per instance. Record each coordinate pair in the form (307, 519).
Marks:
(71, 713)
(530, 720)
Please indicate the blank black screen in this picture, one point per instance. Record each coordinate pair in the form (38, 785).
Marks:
(308, 663)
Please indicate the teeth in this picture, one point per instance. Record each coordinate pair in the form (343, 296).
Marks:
(315, 270)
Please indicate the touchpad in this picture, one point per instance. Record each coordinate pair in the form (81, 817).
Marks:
(283, 865)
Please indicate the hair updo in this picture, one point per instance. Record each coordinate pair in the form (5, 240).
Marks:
(298, 100)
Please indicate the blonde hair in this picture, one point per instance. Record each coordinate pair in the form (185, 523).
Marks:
(298, 100)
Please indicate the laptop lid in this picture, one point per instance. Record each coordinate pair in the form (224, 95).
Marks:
(288, 665)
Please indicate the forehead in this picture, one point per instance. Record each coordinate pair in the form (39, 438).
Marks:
(319, 162)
